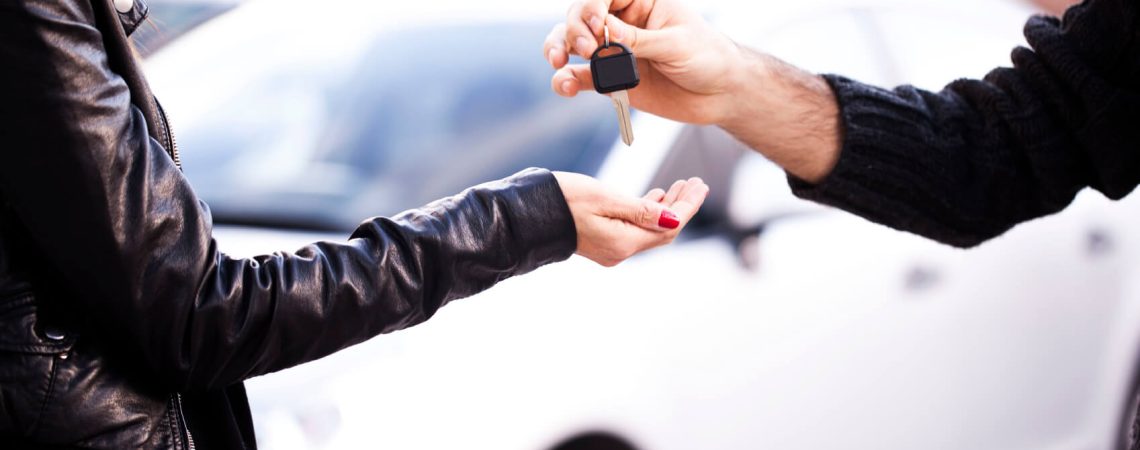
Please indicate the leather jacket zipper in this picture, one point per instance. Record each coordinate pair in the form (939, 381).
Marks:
(171, 142)
(172, 150)
(180, 417)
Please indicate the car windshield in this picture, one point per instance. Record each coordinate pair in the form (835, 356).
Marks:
(422, 114)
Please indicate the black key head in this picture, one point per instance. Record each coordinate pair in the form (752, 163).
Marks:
(616, 72)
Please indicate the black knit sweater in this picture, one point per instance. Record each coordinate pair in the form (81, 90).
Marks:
(967, 164)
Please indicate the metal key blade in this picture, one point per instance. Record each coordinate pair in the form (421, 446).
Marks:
(621, 104)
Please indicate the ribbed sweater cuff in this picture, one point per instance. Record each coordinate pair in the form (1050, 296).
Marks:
(881, 172)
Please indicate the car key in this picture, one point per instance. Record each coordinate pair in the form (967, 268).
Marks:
(616, 74)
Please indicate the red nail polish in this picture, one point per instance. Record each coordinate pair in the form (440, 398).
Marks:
(668, 220)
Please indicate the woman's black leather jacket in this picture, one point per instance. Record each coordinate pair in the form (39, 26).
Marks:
(122, 325)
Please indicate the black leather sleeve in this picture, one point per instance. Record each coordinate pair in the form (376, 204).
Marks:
(112, 213)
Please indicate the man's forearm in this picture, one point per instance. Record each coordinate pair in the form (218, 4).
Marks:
(787, 114)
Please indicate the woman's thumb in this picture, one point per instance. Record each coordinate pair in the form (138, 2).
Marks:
(646, 214)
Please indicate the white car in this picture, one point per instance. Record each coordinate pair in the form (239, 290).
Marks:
(772, 324)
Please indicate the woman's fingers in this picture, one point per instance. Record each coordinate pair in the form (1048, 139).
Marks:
(690, 196)
(690, 199)
(612, 227)
(685, 198)
(655, 195)
(674, 192)
(660, 210)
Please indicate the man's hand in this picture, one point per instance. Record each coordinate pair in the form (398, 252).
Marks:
(613, 227)
(692, 73)
(687, 68)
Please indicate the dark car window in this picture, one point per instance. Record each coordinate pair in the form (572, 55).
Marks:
(422, 114)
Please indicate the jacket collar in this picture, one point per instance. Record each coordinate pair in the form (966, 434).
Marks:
(134, 17)
(122, 59)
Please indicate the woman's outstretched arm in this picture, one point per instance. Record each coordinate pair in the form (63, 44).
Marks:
(131, 243)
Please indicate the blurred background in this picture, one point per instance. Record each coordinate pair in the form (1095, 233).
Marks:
(772, 324)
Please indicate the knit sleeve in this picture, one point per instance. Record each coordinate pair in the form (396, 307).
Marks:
(968, 163)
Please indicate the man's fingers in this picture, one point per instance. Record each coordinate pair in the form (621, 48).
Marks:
(585, 27)
(584, 24)
(571, 79)
(555, 47)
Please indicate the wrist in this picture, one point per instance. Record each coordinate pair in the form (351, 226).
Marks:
(743, 99)
(789, 115)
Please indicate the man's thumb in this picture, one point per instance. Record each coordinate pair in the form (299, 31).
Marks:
(648, 44)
